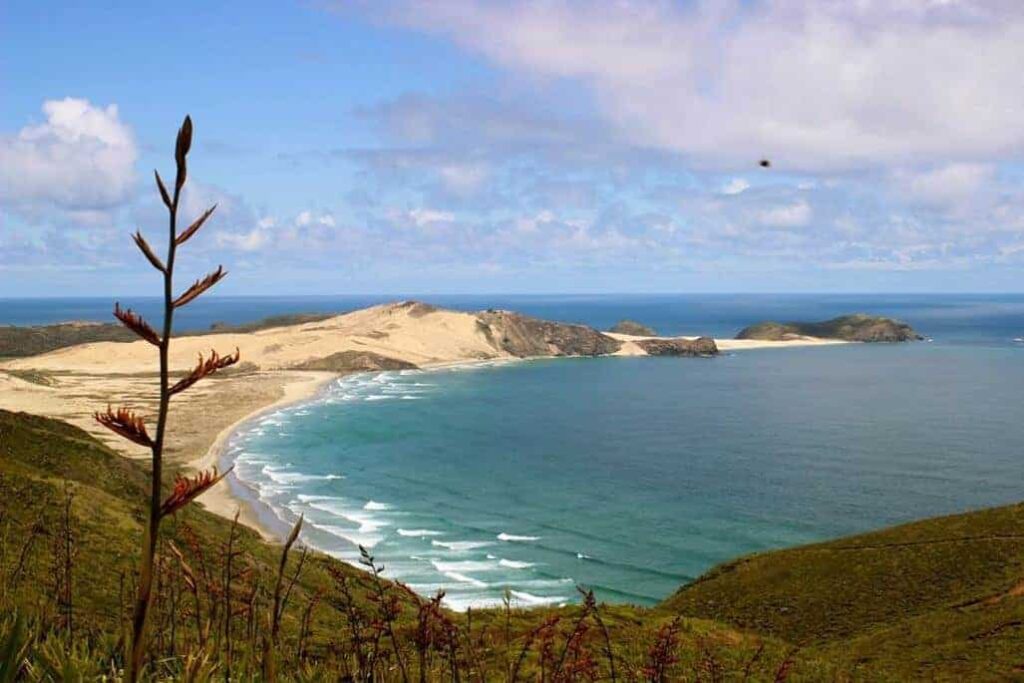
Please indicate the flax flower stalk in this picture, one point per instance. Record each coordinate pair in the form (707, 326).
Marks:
(132, 427)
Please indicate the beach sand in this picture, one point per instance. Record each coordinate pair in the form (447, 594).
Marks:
(72, 383)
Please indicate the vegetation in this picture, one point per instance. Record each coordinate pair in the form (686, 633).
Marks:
(21, 341)
(858, 327)
(633, 328)
(936, 598)
(16, 342)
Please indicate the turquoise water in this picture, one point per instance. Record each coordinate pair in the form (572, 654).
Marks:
(634, 475)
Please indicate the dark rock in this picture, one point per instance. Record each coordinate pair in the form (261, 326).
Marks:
(701, 346)
(859, 328)
(355, 361)
(633, 328)
(523, 336)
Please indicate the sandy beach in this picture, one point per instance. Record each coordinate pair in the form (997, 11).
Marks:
(72, 383)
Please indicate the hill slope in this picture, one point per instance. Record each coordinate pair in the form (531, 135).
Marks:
(942, 597)
(855, 328)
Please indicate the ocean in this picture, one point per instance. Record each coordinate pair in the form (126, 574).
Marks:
(632, 476)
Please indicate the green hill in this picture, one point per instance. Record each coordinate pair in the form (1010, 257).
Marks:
(857, 327)
(938, 598)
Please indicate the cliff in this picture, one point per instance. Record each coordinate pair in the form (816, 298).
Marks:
(523, 336)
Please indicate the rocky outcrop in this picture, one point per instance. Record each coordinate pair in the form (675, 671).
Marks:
(633, 328)
(523, 336)
(701, 346)
(355, 361)
(854, 328)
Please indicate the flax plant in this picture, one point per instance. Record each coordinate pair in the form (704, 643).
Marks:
(131, 426)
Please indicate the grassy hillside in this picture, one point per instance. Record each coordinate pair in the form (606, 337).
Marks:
(70, 523)
(942, 597)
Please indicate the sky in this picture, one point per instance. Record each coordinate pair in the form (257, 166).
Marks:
(471, 146)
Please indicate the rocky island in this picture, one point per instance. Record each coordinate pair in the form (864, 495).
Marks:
(633, 329)
(852, 328)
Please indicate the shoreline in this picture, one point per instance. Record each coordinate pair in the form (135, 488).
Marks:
(233, 495)
(222, 499)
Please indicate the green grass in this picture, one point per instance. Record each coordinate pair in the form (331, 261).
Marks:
(932, 596)
(936, 599)
(20, 341)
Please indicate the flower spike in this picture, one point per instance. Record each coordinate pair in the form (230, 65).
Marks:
(125, 423)
(205, 368)
(148, 252)
(187, 489)
(192, 229)
(200, 286)
(134, 322)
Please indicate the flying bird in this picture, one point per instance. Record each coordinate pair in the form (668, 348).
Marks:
(765, 163)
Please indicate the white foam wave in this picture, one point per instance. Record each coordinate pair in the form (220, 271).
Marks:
(515, 564)
(462, 578)
(514, 538)
(461, 545)
(463, 602)
(463, 566)
(374, 505)
(279, 476)
(418, 533)
(352, 536)
(531, 599)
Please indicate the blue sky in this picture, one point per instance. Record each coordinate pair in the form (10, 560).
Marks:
(471, 146)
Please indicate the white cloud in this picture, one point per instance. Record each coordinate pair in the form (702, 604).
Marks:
(735, 186)
(422, 217)
(947, 185)
(463, 178)
(82, 158)
(810, 84)
(795, 215)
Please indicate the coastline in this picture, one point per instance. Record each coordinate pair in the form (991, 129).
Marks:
(287, 365)
(232, 495)
(222, 499)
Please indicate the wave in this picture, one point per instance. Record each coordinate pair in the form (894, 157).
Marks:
(515, 564)
(278, 475)
(463, 602)
(518, 539)
(464, 566)
(462, 578)
(374, 505)
(461, 545)
(531, 599)
(418, 533)
(351, 535)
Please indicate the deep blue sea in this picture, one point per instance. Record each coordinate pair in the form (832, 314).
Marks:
(634, 475)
